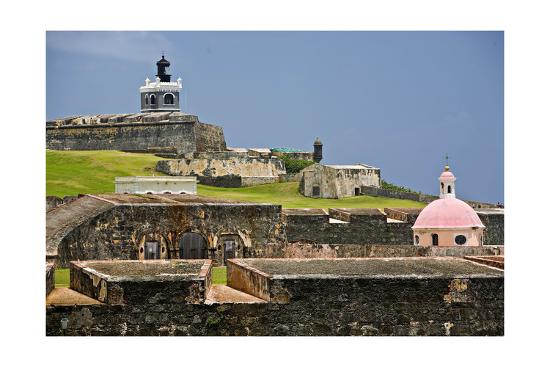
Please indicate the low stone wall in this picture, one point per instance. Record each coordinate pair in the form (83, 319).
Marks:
(248, 280)
(258, 180)
(53, 202)
(495, 261)
(494, 227)
(370, 226)
(378, 191)
(309, 250)
(236, 181)
(142, 282)
(221, 181)
(290, 177)
(447, 302)
(50, 277)
(225, 169)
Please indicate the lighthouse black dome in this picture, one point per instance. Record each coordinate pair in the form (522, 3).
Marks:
(162, 69)
(163, 62)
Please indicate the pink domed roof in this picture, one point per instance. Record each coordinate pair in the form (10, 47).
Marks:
(448, 213)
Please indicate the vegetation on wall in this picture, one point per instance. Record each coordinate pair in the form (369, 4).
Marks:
(389, 186)
(295, 165)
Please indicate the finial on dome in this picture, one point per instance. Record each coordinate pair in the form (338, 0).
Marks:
(446, 162)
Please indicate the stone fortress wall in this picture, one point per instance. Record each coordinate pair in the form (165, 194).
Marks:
(392, 226)
(358, 297)
(225, 169)
(142, 132)
(114, 226)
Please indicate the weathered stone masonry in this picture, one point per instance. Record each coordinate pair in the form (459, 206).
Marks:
(448, 302)
(117, 232)
(140, 133)
(369, 226)
(115, 227)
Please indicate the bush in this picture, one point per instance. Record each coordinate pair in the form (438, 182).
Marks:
(389, 186)
(295, 165)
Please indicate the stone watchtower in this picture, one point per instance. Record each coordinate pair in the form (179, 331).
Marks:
(317, 151)
(161, 95)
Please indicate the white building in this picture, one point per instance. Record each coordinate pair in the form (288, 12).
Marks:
(156, 185)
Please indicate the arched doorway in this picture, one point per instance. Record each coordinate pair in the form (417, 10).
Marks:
(192, 246)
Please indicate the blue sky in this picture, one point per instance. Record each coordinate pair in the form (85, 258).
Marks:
(395, 100)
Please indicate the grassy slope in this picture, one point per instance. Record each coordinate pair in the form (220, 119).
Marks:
(287, 195)
(92, 172)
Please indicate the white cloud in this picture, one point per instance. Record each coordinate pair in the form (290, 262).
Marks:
(129, 46)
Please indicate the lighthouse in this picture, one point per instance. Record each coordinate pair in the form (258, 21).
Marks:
(161, 95)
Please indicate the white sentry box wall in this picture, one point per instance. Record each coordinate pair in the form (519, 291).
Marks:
(156, 185)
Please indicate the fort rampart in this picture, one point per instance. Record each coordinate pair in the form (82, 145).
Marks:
(320, 297)
(114, 226)
(176, 132)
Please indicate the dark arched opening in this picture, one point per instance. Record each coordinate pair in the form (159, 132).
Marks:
(153, 99)
(169, 98)
(152, 250)
(449, 191)
(146, 99)
(192, 246)
(435, 239)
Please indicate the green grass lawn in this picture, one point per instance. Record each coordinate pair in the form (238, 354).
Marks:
(219, 275)
(62, 277)
(94, 172)
(287, 195)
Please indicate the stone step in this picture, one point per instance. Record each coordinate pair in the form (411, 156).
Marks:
(219, 294)
(68, 297)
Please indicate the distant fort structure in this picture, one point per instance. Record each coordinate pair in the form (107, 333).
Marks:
(159, 127)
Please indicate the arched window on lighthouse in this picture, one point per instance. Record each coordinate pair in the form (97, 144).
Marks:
(146, 99)
(153, 99)
(168, 98)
